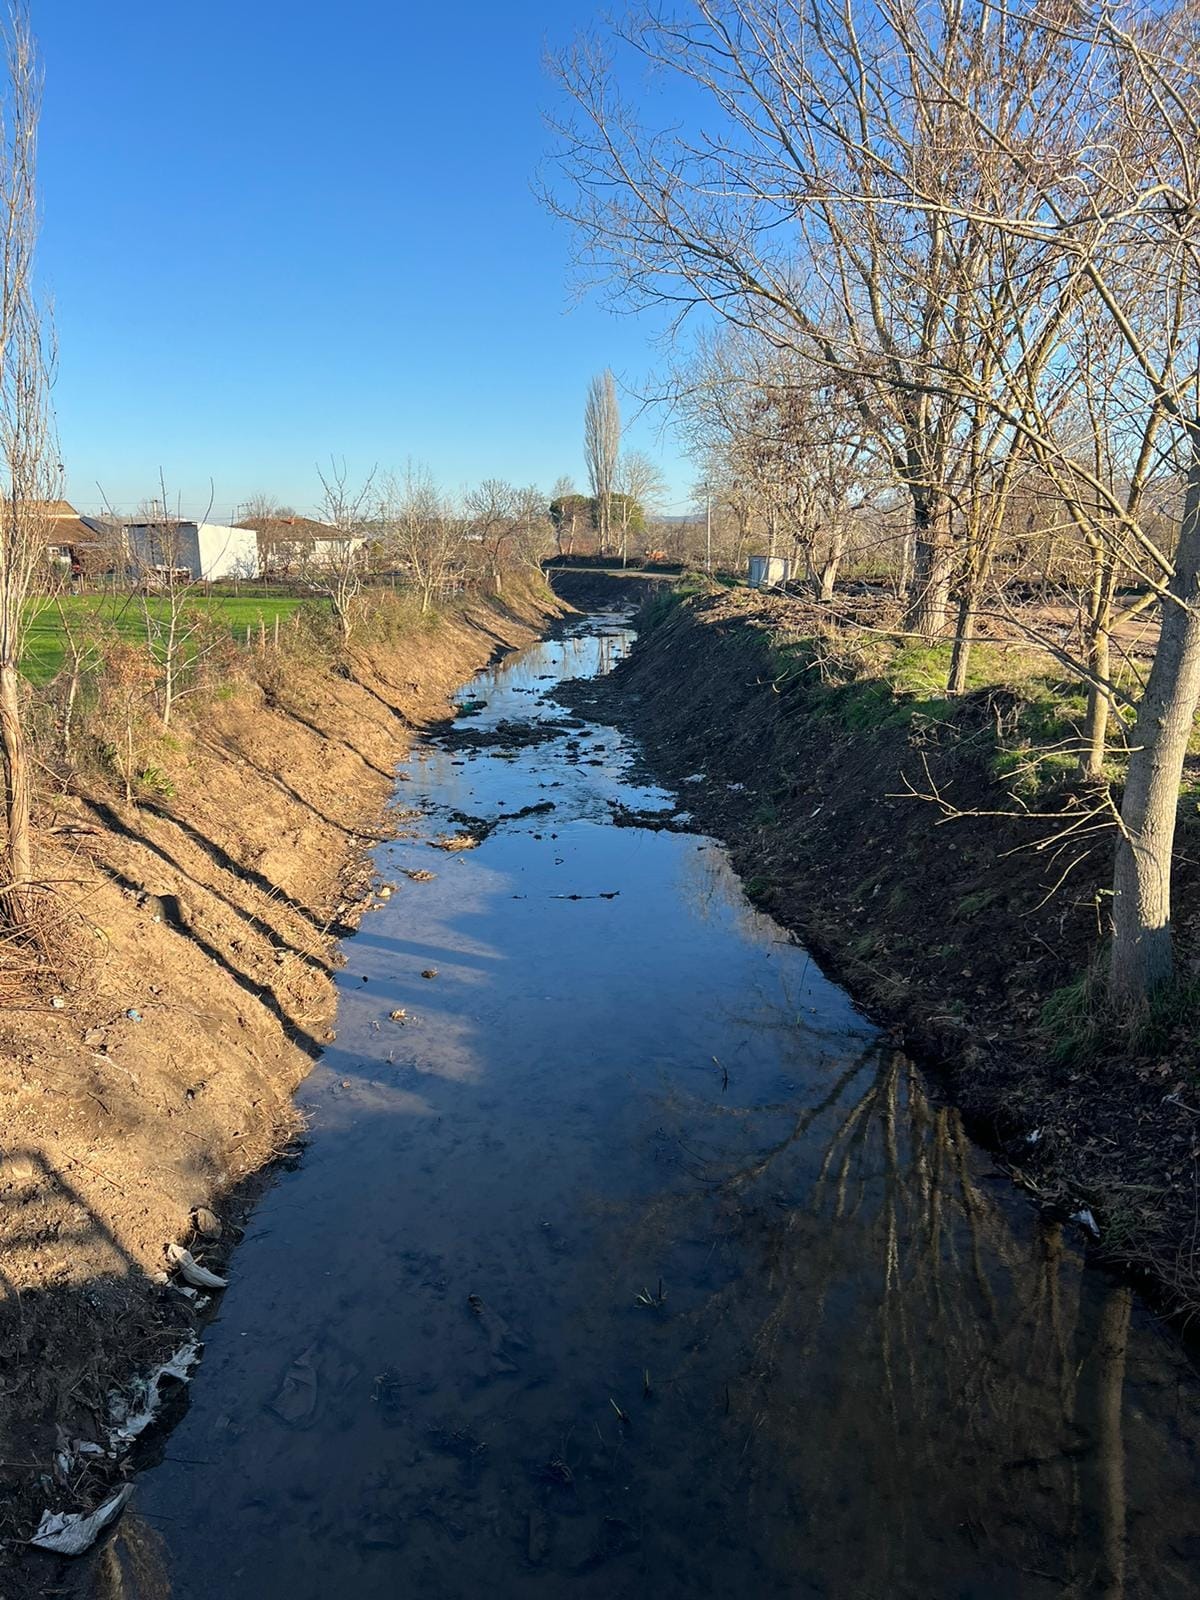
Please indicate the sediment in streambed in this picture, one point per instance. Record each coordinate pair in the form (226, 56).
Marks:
(140, 1103)
(954, 931)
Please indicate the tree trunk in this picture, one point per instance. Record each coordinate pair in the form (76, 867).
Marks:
(904, 577)
(964, 638)
(1099, 628)
(1095, 728)
(16, 797)
(933, 569)
(832, 563)
(1142, 953)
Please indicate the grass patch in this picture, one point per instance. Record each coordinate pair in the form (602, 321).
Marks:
(125, 616)
(1082, 1026)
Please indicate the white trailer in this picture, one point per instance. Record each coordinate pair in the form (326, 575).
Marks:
(200, 551)
(768, 572)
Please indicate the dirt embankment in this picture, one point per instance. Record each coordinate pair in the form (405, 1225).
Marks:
(588, 588)
(161, 1079)
(954, 932)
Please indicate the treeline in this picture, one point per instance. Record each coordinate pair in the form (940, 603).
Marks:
(949, 257)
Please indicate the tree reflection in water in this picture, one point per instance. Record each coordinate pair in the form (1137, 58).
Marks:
(925, 1391)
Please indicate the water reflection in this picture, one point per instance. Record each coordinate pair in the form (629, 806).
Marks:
(920, 1398)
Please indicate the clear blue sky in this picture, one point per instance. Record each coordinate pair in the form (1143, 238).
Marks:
(278, 230)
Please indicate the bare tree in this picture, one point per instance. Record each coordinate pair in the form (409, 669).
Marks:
(638, 484)
(601, 448)
(787, 446)
(567, 510)
(1106, 162)
(175, 628)
(795, 214)
(339, 566)
(421, 527)
(30, 457)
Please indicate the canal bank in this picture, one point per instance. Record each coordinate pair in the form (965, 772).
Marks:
(628, 1257)
(880, 825)
(147, 1081)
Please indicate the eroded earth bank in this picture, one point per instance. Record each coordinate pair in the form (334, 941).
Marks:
(141, 1090)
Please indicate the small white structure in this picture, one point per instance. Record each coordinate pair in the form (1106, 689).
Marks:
(201, 551)
(768, 572)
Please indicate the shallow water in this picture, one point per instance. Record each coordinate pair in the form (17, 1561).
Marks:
(634, 1261)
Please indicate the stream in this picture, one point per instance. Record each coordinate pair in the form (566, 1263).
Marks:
(627, 1258)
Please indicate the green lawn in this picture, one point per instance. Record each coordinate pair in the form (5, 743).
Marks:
(45, 644)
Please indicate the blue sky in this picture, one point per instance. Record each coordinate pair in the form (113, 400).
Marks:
(274, 230)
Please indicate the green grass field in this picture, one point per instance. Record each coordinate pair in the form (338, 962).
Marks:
(46, 644)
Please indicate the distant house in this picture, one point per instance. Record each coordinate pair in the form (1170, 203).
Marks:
(72, 547)
(289, 546)
(196, 551)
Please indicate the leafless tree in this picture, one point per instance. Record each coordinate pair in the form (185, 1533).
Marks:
(567, 508)
(638, 484)
(786, 445)
(794, 213)
(937, 202)
(175, 628)
(419, 525)
(601, 448)
(346, 506)
(32, 475)
(510, 526)
(1107, 163)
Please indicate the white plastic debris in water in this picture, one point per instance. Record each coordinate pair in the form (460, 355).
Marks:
(70, 1533)
(191, 1271)
(1086, 1220)
(133, 1413)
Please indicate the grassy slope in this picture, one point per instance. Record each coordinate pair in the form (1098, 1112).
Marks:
(973, 935)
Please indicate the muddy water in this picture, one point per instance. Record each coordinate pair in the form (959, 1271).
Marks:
(630, 1260)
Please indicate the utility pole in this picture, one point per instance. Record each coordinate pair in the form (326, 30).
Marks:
(708, 527)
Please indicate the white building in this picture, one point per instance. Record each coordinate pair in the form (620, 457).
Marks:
(201, 551)
(767, 572)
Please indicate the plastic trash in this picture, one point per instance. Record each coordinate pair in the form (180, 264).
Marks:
(191, 1271)
(70, 1533)
(134, 1014)
(133, 1413)
(295, 1401)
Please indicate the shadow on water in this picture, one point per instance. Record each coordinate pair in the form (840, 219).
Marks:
(629, 1259)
